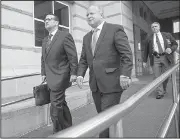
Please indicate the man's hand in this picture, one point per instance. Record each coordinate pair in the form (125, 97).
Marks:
(144, 65)
(73, 78)
(80, 81)
(43, 78)
(124, 82)
(168, 50)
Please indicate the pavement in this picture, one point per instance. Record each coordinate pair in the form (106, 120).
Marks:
(143, 122)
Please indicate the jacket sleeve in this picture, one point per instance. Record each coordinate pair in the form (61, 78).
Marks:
(146, 50)
(43, 73)
(71, 52)
(123, 47)
(83, 65)
(42, 67)
(174, 44)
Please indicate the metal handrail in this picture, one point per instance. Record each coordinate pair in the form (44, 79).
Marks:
(31, 97)
(105, 119)
(20, 76)
(16, 77)
(165, 126)
(164, 129)
(17, 101)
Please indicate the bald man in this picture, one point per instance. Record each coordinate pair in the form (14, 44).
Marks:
(108, 55)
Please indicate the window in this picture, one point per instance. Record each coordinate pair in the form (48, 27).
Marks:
(178, 42)
(151, 17)
(176, 26)
(145, 16)
(141, 11)
(41, 9)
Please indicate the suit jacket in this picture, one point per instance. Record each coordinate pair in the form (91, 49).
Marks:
(60, 61)
(112, 57)
(169, 42)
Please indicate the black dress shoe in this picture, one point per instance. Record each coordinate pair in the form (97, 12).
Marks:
(159, 96)
(165, 92)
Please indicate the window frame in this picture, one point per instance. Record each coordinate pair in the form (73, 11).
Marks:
(141, 11)
(40, 20)
(175, 20)
(145, 15)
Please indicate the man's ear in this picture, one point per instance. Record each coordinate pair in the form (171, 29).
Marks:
(102, 14)
(57, 23)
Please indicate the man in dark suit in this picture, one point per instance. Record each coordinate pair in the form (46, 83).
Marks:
(108, 55)
(59, 68)
(159, 46)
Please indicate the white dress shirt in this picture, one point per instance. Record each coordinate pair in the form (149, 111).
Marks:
(99, 29)
(161, 42)
(53, 33)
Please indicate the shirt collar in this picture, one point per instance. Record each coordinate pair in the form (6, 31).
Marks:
(99, 27)
(54, 32)
(158, 33)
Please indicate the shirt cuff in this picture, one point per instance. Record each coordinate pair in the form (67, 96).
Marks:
(80, 77)
(124, 76)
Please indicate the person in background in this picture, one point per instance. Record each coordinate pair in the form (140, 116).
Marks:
(59, 65)
(107, 53)
(159, 46)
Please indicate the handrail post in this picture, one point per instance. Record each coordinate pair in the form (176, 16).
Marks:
(175, 100)
(174, 87)
(48, 115)
(116, 130)
(177, 123)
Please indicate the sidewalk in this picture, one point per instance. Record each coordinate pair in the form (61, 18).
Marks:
(144, 121)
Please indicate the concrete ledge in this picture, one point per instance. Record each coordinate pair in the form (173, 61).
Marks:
(23, 117)
(134, 79)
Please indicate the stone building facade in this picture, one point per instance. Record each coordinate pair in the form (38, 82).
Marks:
(22, 29)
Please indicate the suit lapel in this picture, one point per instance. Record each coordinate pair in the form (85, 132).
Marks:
(164, 38)
(151, 42)
(44, 47)
(89, 42)
(101, 35)
(52, 42)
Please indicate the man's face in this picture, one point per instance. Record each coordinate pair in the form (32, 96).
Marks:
(94, 16)
(155, 28)
(50, 22)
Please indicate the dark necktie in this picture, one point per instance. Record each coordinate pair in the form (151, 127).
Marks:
(48, 42)
(159, 44)
(94, 40)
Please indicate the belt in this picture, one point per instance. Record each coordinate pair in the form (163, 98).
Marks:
(158, 54)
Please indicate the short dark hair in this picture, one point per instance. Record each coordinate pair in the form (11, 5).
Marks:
(56, 18)
(156, 23)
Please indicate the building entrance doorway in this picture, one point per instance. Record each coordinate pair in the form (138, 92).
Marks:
(147, 70)
(139, 43)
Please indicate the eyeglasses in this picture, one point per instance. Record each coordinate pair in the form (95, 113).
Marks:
(48, 19)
